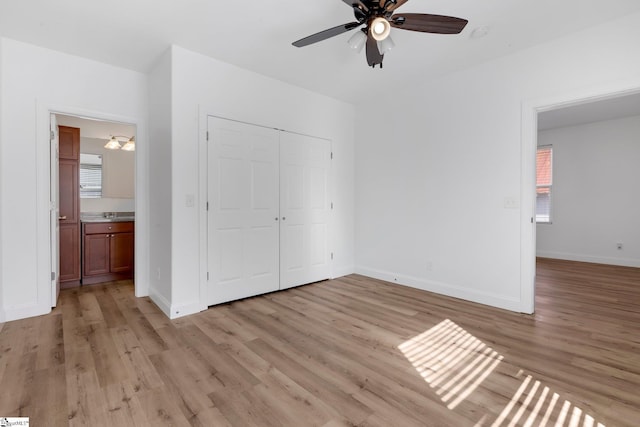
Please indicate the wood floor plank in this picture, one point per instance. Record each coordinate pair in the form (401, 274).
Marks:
(123, 406)
(328, 392)
(354, 351)
(140, 371)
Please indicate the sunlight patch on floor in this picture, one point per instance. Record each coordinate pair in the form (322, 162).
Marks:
(554, 414)
(450, 360)
(455, 363)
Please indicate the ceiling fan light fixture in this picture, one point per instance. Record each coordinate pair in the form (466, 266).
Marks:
(380, 28)
(113, 144)
(357, 41)
(385, 45)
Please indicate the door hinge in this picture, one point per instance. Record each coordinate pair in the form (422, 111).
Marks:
(51, 135)
(53, 275)
(331, 255)
(531, 220)
(207, 275)
(332, 155)
(207, 206)
(207, 135)
(332, 205)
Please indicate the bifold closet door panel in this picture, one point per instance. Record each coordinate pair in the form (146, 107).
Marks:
(304, 209)
(243, 216)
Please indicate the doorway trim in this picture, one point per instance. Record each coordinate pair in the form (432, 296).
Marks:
(43, 178)
(529, 142)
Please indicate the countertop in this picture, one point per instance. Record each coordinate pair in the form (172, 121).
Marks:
(107, 216)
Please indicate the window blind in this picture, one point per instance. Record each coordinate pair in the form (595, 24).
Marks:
(90, 181)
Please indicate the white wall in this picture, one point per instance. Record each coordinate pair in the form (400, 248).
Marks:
(2, 315)
(160, 244)
(34, 80)
(595, 193)
(202, 86)
(433, 169)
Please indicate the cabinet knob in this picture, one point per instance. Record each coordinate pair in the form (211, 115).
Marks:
(110, 228)
(284, 218)
(276, 218)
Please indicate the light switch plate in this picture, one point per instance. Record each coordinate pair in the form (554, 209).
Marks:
(511, 202)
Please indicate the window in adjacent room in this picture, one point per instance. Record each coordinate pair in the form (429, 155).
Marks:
(90, 176)
(544, 181)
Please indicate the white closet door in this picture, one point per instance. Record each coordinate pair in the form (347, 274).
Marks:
(243, 225)
(304, 209)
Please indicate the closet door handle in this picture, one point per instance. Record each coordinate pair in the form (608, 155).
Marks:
(284, 217)
(276, 218)
(62, 218)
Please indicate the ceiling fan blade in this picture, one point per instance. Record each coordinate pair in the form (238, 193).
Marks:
(323, 35)
(426, 23)
(373, 54)
(392, 5)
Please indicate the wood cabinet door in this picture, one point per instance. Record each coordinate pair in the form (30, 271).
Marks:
(69, 141)
(69, 252)
(96, 254)
(69, 198)
(121, 256)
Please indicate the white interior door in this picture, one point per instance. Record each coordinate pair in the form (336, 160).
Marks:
(243, 222)
(304, 209)
(54, 212)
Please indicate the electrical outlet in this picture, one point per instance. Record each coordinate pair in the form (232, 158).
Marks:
(619, 246)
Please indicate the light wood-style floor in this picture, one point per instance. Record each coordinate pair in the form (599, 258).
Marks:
(353, 351)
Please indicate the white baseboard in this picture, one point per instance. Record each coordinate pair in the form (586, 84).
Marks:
(174, 311)
(623, 262)
(468, 294)
(185, 309)
(161, 302)
(342, 271)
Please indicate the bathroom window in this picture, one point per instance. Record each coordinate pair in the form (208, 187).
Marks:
(90, 176)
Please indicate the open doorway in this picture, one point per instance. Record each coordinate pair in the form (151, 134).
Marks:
(93, 194)
(592, 211)
(587, 117)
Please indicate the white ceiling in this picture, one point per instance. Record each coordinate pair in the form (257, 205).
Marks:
(92, 128)
(257, 35)
(607, 109)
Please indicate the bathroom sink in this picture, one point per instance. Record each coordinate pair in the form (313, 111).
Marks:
(107, 216)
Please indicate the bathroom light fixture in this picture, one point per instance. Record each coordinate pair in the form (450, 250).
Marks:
(114, 143)
(130, 145)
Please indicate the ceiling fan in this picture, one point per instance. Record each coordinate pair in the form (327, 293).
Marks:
(377, 17)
